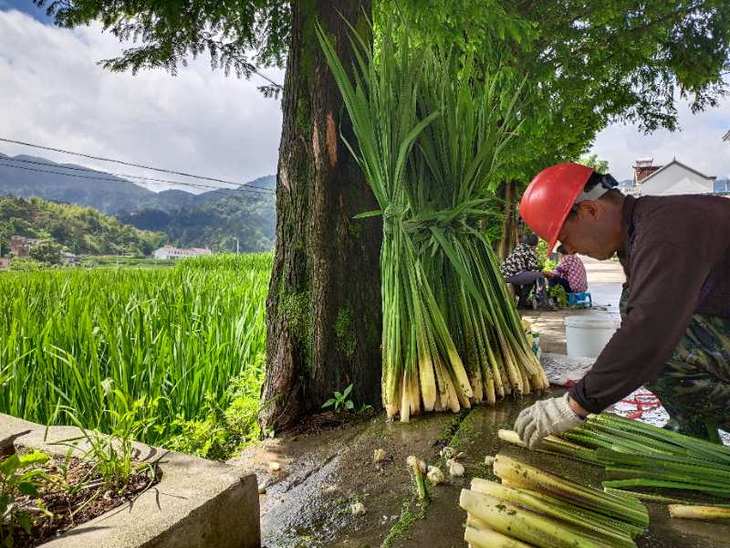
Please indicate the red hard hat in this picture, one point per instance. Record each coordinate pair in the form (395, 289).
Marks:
(547, 201)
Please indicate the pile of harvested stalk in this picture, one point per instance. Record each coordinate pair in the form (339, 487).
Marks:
(428, 135)
(644, 460)
(533, 508)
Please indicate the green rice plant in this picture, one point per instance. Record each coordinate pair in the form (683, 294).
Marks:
(173, 338)
(112, 455)
(429, 134)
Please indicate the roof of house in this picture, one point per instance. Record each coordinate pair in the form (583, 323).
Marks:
(170, 248)
(646, 161)
(726, 137)
(24, 239)
(677, 162)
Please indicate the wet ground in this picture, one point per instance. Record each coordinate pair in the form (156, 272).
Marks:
(308, 502)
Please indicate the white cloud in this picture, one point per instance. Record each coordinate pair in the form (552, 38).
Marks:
(698, 143)
(52, 92)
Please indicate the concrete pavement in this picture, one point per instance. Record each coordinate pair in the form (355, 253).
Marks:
(604, 283)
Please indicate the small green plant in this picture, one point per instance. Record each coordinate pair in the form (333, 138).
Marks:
(341, 400)
(223, 431)
(19, 475)
(559, 296)
(62, 480)
(364, 408)
(543, 257)
(112, 456)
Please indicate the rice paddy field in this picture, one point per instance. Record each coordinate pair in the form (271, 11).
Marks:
(178, 351)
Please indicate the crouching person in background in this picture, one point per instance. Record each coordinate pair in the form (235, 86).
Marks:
(521, 269)
(570, 273)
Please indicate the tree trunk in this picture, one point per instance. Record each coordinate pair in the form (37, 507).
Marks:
(323, 309)
(509, 224)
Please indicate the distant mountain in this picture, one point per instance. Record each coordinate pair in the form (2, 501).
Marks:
(81, 230)
(267, 182)
(626, 183)
(211, 219)
(27, 176)
(216, 222)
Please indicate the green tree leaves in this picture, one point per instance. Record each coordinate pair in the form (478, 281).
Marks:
(81, 230)
(238, 35)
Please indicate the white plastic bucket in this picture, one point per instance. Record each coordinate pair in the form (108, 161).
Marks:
(587, 335)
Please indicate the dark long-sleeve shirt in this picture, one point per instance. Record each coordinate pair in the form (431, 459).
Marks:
(676, 257)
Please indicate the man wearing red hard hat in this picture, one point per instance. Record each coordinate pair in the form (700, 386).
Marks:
(675, 331)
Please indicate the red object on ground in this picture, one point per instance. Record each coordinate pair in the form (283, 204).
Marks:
(642, 401)
(547, 201)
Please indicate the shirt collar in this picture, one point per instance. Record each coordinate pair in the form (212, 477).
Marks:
(627, 220)
(627, 214)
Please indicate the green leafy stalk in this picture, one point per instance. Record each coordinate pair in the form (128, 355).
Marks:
(641, 456)
(524, 525)
(428, 137)
(520, 475)
(560, 509)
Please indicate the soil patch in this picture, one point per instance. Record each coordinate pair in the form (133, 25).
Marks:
(71, 493)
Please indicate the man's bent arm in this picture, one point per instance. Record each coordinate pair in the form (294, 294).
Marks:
(663, 297)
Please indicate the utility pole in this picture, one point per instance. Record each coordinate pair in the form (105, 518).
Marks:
(236, 246)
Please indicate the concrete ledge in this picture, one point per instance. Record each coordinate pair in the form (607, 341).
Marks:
(10, 429)
(197, 504)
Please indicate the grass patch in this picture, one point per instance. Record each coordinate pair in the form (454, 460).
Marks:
(449, 432)
(186, 342)
(411, 511)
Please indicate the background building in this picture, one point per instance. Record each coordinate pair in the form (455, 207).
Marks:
(169, 252)
(672, 179)
(20, 245)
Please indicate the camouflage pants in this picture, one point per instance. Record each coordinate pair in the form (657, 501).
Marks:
(694, 386)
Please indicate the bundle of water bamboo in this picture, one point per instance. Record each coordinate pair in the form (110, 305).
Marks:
(428, 138)
(533, 508)
(641, 456)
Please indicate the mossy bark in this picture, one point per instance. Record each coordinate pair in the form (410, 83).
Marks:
(326, 264)
(508, 240)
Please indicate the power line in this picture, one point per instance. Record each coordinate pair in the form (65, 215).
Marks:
(269, 80)
(122, 162)
(114, 180)
(247, 188)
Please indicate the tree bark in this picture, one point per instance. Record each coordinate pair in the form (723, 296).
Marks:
(509, 224)
(323, 308)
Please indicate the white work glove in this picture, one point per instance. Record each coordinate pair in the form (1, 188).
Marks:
(552, 416)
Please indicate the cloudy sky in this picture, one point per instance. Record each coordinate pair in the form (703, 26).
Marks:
(52, 92)
(698, 143)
